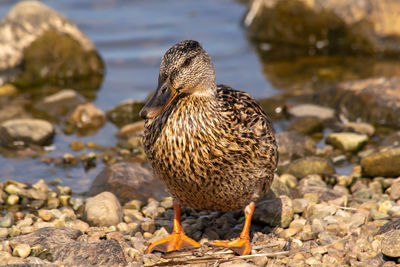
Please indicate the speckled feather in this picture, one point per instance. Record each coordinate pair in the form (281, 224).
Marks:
(213, 153)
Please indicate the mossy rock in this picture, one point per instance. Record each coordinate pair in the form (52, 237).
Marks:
(57, 58)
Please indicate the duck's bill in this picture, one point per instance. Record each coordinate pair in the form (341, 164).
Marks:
(159, 102)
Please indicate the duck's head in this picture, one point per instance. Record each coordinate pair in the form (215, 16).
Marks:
(185, 69)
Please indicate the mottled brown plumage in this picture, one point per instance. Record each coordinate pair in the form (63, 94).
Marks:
(211, 145)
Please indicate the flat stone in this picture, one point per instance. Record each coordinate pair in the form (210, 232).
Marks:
(360, 127)
(103, 209)
(323, 113)
(347, 141)
(309, 165)
(26, 131)
(60, 103)
(128, 181)
(385, 162)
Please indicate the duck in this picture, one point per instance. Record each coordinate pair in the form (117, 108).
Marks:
(212, 146)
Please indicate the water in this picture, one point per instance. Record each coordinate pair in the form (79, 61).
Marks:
(131, 37)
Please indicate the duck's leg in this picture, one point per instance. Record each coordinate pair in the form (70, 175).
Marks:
(242, 244)
(177, 240)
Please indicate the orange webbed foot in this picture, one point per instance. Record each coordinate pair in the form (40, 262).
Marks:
(175, 241)
(240, 246)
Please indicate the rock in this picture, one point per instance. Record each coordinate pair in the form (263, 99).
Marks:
(128, 181)
(369, 26)
(347, 141)
(46, 44)
(131, 129)
(380, 95)
(320, 112)
(391, 243)
(394, 190)
(392, 225)
(26, 131)
(360, 127)
(306, 125)
(385, 162)
(103, 209)
(60, 103)
(292, 145)
(14, 110)
(87, 116)
(278, 188)
(7, 220)
(309, 165)
(274, 212)
(22, 250)
(125, 112)
(60, 244)
(392, 139)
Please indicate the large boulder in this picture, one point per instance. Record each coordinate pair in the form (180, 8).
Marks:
(369, 26)
(381, 96)
(45, 46)
(128, 181)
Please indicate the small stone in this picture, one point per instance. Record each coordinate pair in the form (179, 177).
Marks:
(77, 145)
(45, 215)
(3, 233)
(274, 212)
(310, 165)
(22, 250)
(133, 204)
(7, 220)
(78, 225)
(391, 243)
(87, 116)
(394, 190)
(166, 203)
(53, 203)
(103, 210)
(382, 163)
(12, 199)
(148, 225)
(347, 141)
(55, 182)
(64, 200)
(76, 203)
(306, 125)
(41, 186)
(299, 205)
(377, 215)
(289, 232)
(63, 190)
(360, 127)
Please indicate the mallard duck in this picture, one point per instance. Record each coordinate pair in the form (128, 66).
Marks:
(211, 145)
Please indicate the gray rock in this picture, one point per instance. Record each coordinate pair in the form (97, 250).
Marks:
(60, 244)
(274, 212)
(371, 26)
(103, 209)
(309, 165)
(306, 125)
(125, 112)
(347, 141)
(391, 243)
(38, 35)
(27, 131)
(292, 145)
(128, 181)
(380, 95)
(384, 163)
(323, 113)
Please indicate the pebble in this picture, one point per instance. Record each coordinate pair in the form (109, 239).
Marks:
(7, 220)
(103, 210)
(22, 250)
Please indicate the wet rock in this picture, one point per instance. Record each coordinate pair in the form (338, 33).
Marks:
(48, 44)
(103, 209)
(61, 245)
(292, 145)
(347, 141)
(26, 131)
(370, 26)
(125, 112)
(309, 165)
(384, 163)
(360, 127)
(306, 125)
(128, 181)
(391, 243)
(60, 103)
(380, 95)
(304, 110)
(131, 129)
(87, 116)
(274, 212)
